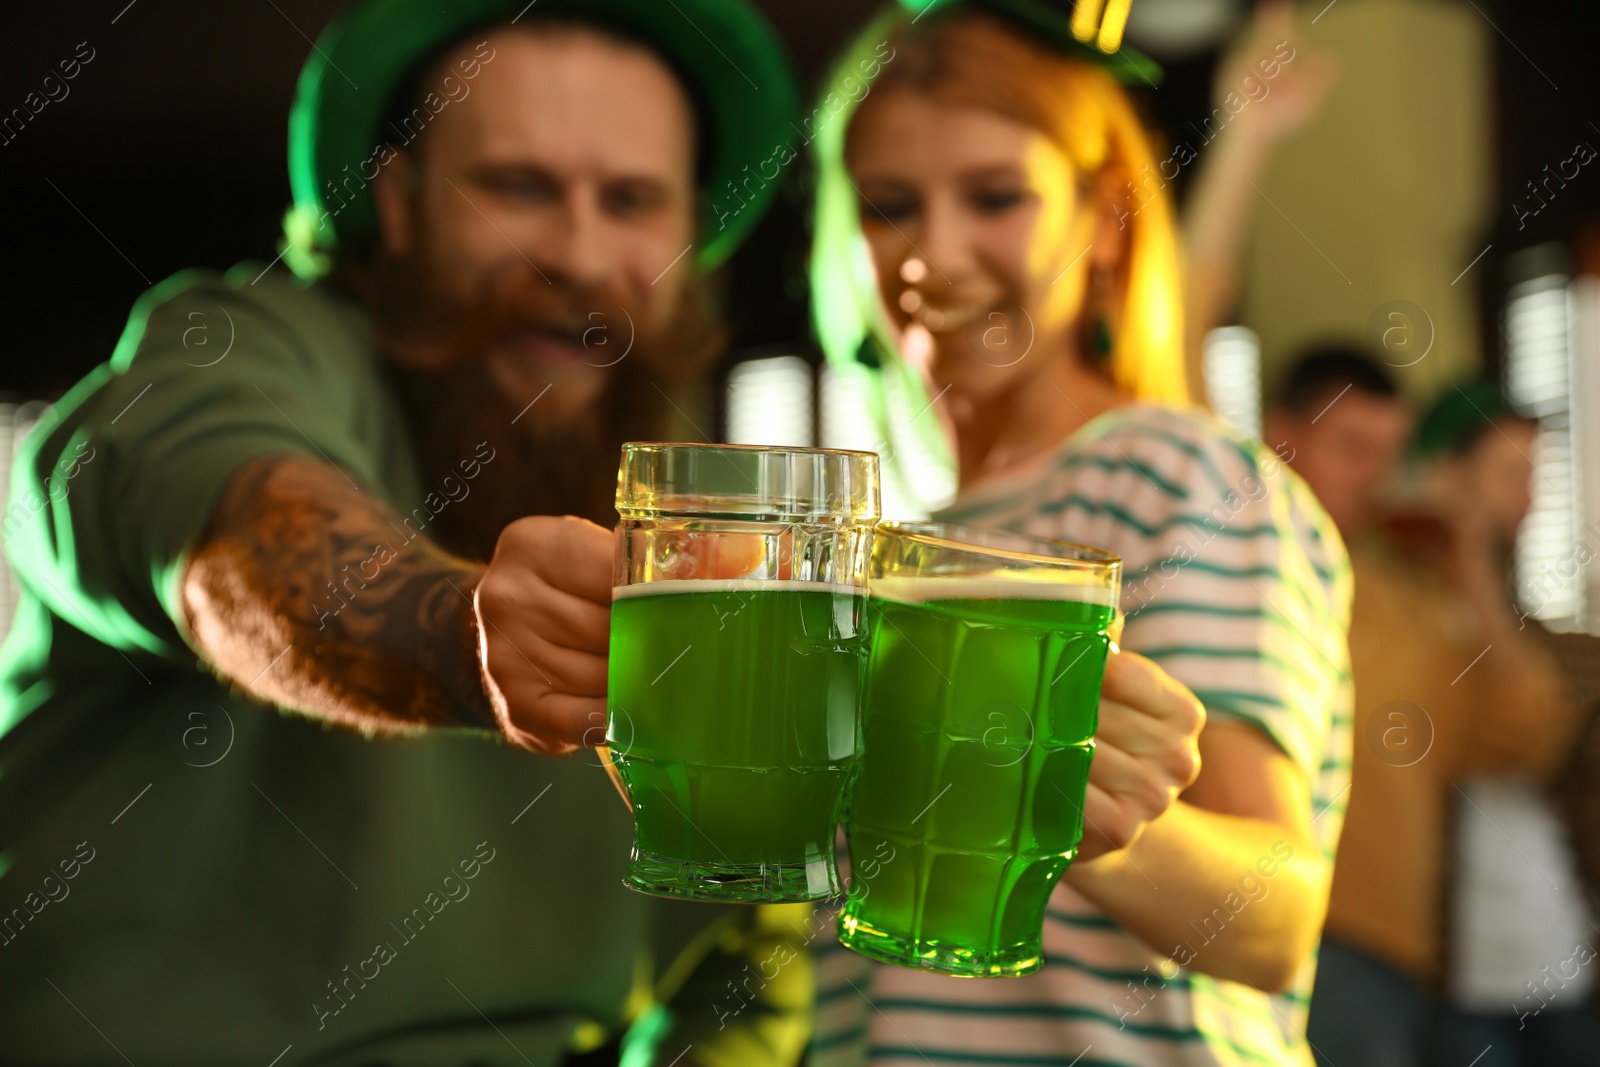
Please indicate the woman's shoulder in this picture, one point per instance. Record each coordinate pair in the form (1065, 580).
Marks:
(1184, 429)
(1204, 468)
(1196, 454)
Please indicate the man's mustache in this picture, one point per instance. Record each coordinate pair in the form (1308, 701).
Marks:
(554, 307)
(511, 305)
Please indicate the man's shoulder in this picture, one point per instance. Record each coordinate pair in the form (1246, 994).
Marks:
(248, 283)
(205, 316)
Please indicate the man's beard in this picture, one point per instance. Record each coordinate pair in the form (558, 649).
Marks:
(458, 413)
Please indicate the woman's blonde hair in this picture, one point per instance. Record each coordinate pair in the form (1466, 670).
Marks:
(967, 57)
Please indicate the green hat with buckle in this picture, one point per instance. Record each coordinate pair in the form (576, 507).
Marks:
(1083, 29)
(724, 51)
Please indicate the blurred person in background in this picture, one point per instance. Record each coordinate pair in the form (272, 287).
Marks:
(1520, 934)
(284, 507)
(1340, 422)
(985, 270)
(1268, 87)
(1448, 681)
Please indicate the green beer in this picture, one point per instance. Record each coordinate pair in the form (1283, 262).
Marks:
(735, 725)
(981, 707)
(738, 649)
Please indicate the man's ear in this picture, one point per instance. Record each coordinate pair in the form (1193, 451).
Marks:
(393, 194)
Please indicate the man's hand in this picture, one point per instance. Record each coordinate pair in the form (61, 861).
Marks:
(544, 622)
(1146, 752)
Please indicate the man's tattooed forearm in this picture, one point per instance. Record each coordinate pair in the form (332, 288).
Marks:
(303, 579)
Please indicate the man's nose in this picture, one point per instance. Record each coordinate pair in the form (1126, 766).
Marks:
(574, 247)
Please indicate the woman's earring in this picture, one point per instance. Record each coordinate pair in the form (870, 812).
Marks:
(1101, 342)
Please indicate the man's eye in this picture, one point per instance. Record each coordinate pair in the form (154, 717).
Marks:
(523, 187)
(995, 201)
(632, 199)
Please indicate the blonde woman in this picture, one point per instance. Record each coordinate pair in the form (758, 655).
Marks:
(996, 275)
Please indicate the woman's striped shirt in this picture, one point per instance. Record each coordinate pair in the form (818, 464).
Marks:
(1237, 584)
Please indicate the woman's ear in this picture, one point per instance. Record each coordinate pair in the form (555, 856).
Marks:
(1113, 216)
(1108, 256)
(393, 192)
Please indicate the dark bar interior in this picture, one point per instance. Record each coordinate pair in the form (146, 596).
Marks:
(1108, 509)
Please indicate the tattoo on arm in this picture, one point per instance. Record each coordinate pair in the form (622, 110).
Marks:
(310, 593)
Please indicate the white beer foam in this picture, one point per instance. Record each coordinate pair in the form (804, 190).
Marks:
(731, 585)
(1025, 585)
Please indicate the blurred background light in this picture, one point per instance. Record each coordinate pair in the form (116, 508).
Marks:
(1584, 305)
(15, 422)
(770, 402)
(1232, 368)
(1539, 379)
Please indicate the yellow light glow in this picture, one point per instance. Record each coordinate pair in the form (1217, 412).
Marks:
(1112, 25)
(1086, 19)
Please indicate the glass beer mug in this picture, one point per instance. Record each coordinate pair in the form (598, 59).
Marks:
(738, 649)
(982, 700)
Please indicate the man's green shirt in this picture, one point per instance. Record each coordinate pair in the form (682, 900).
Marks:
(190, 877)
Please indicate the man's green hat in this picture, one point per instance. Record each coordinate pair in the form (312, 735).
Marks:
(1460, 415)
(724, 51)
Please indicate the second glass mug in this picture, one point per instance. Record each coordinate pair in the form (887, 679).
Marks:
(980, 711)
(738, 648)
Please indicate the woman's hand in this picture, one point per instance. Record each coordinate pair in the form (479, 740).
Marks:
(1146, 752)
(544, 628)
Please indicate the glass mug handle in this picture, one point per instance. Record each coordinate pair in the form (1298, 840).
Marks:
(604, 753)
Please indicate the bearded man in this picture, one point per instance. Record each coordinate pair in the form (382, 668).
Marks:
(300, 596)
